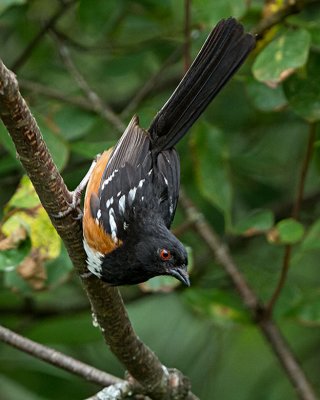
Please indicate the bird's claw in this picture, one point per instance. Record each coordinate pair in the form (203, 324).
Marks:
(72, 206)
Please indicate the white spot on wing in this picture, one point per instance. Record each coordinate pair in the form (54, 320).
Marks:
(141, 183)
(171, 208)
(166, 180)
(125, 226)
(122, 203)
(113, 225)
(132, 195)
(109, 179)
(94, 259)
(109, 202)
(119, 193)
(99, 214)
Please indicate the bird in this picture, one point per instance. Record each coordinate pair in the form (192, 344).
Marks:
(132, 189)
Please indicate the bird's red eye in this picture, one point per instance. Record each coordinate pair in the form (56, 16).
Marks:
(165, 254)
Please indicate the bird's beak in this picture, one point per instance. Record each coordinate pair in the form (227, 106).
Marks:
(181, 274)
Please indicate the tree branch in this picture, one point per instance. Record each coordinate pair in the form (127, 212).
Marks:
(269, 329)
(106, 302)
(57, 359)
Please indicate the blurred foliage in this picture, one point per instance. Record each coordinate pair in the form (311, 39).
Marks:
(240, 165)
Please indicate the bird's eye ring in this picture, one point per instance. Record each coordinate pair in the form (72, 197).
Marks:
(165, 255)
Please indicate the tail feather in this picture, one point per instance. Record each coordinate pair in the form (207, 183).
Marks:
(222, 54)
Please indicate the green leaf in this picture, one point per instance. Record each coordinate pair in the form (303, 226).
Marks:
(265, 98)
(303, 91)
(256, 222)
(42, 233)
(211, 167)
(25, 196)
(307, 18)
(290, 231)
(282, 57)
(4, 4)
(312, 238)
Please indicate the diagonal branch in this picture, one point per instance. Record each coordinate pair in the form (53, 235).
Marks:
(106, 302)
(56, 358)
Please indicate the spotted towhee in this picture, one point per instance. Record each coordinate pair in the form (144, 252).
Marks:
(133, 188)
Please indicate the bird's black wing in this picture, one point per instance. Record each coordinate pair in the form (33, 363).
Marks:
(167, 183)
(125, 176)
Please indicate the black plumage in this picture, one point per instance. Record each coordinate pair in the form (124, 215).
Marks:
(139, 189)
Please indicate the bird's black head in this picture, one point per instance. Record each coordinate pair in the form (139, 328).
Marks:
(143, 256)
(161, 253)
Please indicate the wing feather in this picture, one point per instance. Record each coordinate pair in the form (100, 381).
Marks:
(123, 179)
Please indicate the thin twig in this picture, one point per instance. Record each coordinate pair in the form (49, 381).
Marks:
(103, 109)
(295, 214)
(55, 94)
(36, 40)
(277, 342)
(57, 359)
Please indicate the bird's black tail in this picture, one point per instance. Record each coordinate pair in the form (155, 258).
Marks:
(222, 54)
